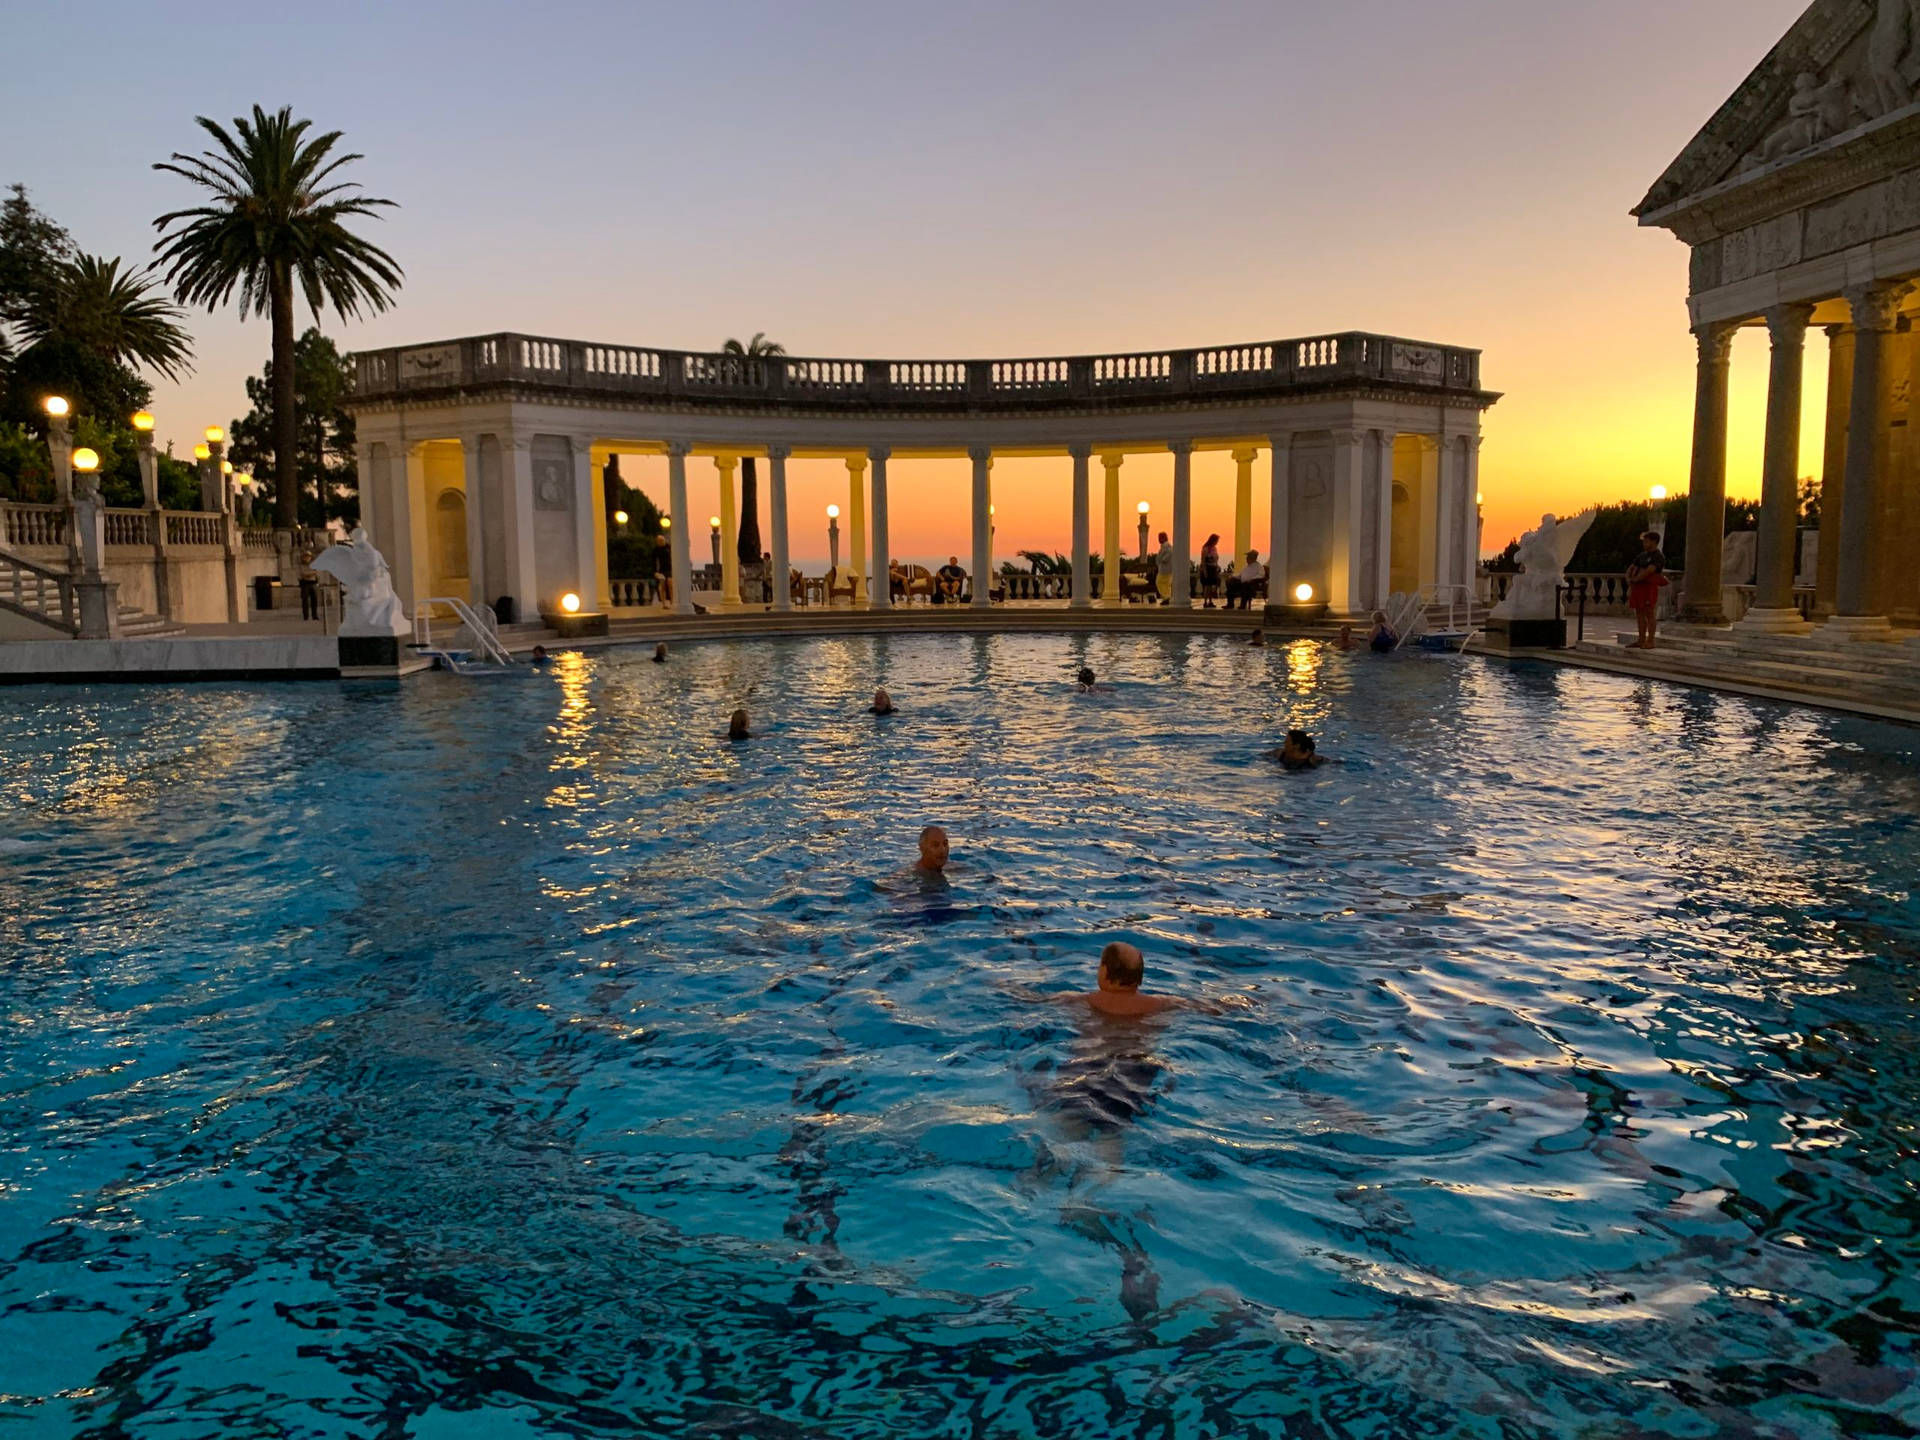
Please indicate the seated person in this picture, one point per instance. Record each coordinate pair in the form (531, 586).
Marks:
(1381, 639)
(1297, 752)
(1244, 583)
(949, 581)
(896, 580)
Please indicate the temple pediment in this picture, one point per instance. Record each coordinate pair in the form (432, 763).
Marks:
(1846, 66)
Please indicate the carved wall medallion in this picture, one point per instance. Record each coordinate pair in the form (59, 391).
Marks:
(1417, 359)
(431, 362)
(1313, 480)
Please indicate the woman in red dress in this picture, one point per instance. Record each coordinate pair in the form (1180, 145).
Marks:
(1646, 577)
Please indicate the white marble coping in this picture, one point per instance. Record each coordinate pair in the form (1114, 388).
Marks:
(266, 654)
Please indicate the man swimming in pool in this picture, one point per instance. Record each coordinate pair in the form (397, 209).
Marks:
(1297, 752)
(934, 850)
(1118, 995)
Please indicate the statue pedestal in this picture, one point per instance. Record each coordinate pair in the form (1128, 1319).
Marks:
(1527, 634)
(359, 651)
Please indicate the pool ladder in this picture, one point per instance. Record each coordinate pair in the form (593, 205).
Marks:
(455, 657)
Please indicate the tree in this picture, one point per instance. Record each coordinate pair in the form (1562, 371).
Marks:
(748, 545)
(110, 313)
(322, 378)
(32, 248)
(277, 219)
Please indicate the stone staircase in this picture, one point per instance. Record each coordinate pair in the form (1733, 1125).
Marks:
(1875, 676)
(45, 597)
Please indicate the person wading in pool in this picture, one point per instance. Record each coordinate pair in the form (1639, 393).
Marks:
(934, 850)
(737, 726)
(1297, 752)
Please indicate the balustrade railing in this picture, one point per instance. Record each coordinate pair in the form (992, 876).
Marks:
(629, 594)
(195, 527)
(129, 527)
(257, 542)
(640, 370)
(27, 526)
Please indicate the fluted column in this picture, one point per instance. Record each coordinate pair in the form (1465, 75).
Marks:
(1110, 461)
(586, 568)
(479, 582)
(1833, 468)
(1858, 589)
(982, 457)
(1243, 457)
(882, 587)
(1279, 518)
(678, 541)
(1707, 487)
(1780, 475)
(724, 466)
(857, 526)
(782, 577)
(1082, 543)
(1346, 575)
(523, 555)
(1384, 441)
(1182, 523)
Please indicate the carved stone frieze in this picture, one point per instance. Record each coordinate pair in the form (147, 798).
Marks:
(1872, 212)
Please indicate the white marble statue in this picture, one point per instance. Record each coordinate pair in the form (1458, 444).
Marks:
(371, 606)
(1543, 555)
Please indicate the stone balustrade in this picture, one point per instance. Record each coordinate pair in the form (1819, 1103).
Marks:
(257, 542)
(26, 527)
(191, 527)
(129, 527)
(1262, 368)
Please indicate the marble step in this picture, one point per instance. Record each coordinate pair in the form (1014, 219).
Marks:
(1831, 680)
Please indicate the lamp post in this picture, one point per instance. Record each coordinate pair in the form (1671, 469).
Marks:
(833, 536)
(216, 452)
(86, 535)
(1657, 513)
(620, 518)
(149, 462)
(1143, 508)
(202, 454)
(60, 447)
(714, 522)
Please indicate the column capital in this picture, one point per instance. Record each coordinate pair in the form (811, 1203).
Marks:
(1283, 440)
(856, 464)
(1876, 306)
(1180, 447)
(779, 452)
(1838, 332)
(679, 449)
(1245, 454)
(1112, 459)
(725, 462)
(1787, 325)
(879, 454)
(514, 440)
(979, 453)
(1342, 436)
(1715, 341)
(1079, 449)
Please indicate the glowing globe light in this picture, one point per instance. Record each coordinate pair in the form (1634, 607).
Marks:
(143, 421)
(1303, 592)
(85, 460)
(619, 517)
(570, 603)
(1479, 497)
(1144, 507)
(56, 406)
(215, 434)
(226, 467)
(201, 452)
(714, 521)
(1658, 492)
(833, 512)
(666, 522)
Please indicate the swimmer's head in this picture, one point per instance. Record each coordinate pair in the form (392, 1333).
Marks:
(1086, 677)
(1257, 638)
(1298, 746)
(660, 653)
(1122, 966)
(539, 653)
(933, 848)
(737, 726)
(882, 702)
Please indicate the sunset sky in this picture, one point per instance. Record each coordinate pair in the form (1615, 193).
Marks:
(974, 179)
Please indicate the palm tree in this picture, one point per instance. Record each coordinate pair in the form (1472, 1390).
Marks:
(110, 313)
(747, 547)
(276, 217)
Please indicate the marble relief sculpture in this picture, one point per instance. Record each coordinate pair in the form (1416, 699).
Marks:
(372, 608)
(1544, 555)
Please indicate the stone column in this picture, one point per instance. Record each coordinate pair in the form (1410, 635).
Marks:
(677, 534)
(1346, 575)
(857, 526)
(1081, 453)
(1707, 487)
(1182, 523)
(1110, 461)
(982, 457)
(408, 556)
(1445, 508)
(1773, 610)
(1383, 516)
(1833, 468)
(586, 505)
(523, 559)
(1279, 519)
(1470, 513)
(724, 467)
(477, 578)
(1243, 457)
(882, 587)
(777, 518)
(1875, 310)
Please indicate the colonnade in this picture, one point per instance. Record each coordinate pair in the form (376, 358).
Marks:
(1867, 512)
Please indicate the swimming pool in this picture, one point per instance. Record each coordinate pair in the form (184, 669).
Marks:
(516, 1058)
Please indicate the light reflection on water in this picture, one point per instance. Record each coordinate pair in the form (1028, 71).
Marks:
(521, 1057)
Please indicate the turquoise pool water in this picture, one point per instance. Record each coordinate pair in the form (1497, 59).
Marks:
(516, 1058)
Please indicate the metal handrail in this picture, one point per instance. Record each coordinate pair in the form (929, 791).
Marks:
(485, 640)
